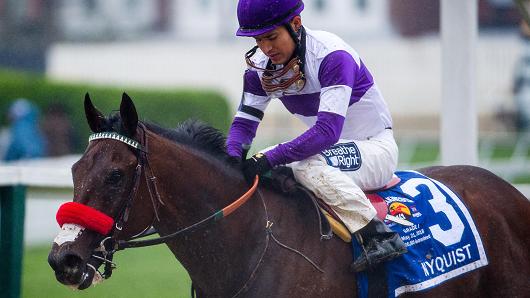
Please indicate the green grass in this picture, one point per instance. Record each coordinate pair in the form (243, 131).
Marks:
(522, 179)
(503, 151)
(141, 272)
(425, 152)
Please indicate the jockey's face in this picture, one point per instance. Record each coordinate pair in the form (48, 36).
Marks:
(278, 44)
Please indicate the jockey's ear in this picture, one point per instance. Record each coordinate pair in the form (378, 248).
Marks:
(96, 120)
(129, 117)
(296, 23)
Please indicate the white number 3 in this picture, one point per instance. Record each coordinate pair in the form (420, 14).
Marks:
(439, 204)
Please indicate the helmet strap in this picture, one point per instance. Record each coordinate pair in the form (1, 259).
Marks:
(251, 52)
(294, 35)
(299, 41)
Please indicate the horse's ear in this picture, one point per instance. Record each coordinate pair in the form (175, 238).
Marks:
(96, 120)
(128, 114)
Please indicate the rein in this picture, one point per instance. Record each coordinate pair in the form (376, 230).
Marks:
(218, 215)
(143, 164)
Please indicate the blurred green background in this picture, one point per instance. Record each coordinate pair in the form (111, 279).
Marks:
(163, 106)
(142, 272)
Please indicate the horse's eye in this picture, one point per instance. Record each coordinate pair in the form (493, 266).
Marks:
(114, 177)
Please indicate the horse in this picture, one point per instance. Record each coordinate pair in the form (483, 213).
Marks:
(135, 175)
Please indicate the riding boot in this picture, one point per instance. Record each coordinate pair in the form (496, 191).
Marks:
(379, 244)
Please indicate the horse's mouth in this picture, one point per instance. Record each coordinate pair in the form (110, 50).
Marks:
(71, 277)
(74, 266)
(79, 279)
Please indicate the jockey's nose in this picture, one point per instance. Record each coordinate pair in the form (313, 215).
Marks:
(265, 46)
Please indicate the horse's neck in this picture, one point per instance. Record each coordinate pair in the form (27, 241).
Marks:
(222, 256)
(193, 187)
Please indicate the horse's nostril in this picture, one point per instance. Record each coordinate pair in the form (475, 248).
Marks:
(72, 261)
(69, 267)
(52, 260)
(65, 262)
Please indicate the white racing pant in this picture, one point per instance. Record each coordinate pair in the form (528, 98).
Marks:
(343, 190)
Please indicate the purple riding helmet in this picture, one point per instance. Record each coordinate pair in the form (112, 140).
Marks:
(261, 16)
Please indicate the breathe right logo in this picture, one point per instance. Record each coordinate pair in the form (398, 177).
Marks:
(345, 156)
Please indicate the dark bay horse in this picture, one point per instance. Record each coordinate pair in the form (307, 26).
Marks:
(239, 255)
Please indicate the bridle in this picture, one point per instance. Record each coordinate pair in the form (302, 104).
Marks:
(110, 244)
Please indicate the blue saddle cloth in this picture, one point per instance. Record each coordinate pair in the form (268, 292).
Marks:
(442, 241)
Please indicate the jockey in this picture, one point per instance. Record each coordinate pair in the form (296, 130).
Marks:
(321, 80)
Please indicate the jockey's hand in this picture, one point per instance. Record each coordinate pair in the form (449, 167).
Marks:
(256, 165)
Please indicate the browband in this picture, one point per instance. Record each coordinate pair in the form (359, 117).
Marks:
(115, 136)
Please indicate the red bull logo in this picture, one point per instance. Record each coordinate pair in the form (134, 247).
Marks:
(399, 209)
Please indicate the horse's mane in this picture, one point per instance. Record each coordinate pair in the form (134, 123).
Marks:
(192, 132)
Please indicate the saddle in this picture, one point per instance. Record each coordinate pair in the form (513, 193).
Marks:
(282, 180)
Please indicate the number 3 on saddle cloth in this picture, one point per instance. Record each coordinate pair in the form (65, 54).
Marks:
(440, 235)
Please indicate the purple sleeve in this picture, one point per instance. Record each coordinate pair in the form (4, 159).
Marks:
(321, 136)
(242, 131)
(338, 68)
(252, 83)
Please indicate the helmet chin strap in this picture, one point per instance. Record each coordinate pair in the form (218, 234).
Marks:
(299, 41)
(295, 35)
